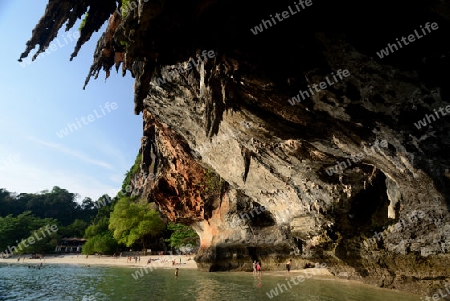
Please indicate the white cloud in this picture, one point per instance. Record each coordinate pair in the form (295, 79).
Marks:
(72, 153)
(111, 151)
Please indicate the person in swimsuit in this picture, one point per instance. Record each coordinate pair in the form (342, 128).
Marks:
(288, 265)
(258, 268)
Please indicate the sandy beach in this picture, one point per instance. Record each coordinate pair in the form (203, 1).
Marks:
(158, 261)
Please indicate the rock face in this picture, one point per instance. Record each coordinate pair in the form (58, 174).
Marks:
(298, 140)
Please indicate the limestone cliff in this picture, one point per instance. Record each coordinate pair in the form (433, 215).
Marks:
(333, 170)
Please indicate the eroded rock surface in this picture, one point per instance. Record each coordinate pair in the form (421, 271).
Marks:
(345, 175)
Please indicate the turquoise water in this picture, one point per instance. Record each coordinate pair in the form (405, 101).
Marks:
(71, 282)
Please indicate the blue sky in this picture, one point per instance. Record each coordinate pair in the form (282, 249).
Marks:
(42, 98)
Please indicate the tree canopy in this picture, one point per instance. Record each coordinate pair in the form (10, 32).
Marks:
(58, 204)
(14, 230)
(182, 235)
(132, 221)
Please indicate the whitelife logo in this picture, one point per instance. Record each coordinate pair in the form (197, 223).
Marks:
(300, 278)
(243, 216)
(172, 74)
(356, 158)
(322, 86)
(411, 38)
(72, 36)
(90, 118)
(435, 296)
(284, 15)
(9, 162)
(413, 218)
(140, 273)
(423, 123)
(30, 240)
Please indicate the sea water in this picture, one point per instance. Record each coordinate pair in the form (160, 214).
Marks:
(101, 283)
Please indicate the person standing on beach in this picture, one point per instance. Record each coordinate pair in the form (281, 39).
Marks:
(258, 268)
(288, 266)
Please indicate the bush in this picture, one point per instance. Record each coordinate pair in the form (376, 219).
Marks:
(212, 182)
(83, 22)
(182, 235)
(133, 170)
(127, 5)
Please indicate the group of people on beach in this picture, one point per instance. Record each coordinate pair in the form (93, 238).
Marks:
(163, 260)
(256, 268)
(136, 259)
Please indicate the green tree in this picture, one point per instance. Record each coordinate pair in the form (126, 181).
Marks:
(182, 235)
(76, 229)
(101, 226)
(14, 230)
(103, 243)
(58, 204)
(99, 237)
(131, 173)
(135, 222)
(9, 204)
(46, 243)
(18, 228)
